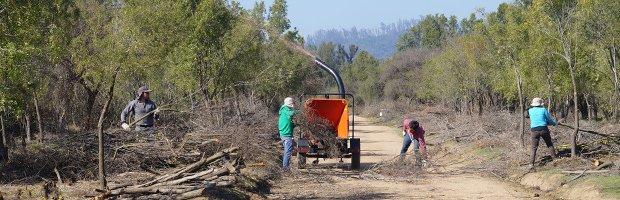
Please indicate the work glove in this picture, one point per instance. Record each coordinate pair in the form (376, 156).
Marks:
(125, 126)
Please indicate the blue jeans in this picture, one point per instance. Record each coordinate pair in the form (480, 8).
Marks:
(407, 140)
(288, 151)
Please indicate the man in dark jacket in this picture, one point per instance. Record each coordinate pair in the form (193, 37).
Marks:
(140, 107)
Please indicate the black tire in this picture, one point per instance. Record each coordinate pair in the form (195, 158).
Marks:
(301, 161)
(355, 153)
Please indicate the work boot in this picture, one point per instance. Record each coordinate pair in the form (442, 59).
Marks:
(552, 152)
(530, 167)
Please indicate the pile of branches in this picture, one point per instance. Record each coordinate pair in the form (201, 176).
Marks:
(194, 180)
(398, 166)
(247, 123)
(319, 131)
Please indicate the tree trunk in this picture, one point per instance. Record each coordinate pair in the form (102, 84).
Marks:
(573, 150)
(104, 110)
(480, 103)
(27, 126)
(614, 74)
(4, 153)
(549, 88)
(3, 130)
(91, 96)
(586, 97)
(39, 122)
(62, 121)
(202, 83)
(521, 106)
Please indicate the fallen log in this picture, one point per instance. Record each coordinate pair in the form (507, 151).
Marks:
(185, 182)
(201, 192)
(191, 194)
(184, 192)
(119, 186)
(575, 178)
(585, 172)
(191, 168)
(604, 165)
(154, 190)
(204, 175)
(187, 178)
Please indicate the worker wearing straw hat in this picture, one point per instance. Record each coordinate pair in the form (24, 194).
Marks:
(539, 120)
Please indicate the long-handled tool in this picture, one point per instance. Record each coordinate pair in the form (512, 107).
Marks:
(591, 132)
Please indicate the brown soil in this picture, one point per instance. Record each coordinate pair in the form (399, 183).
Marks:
(442, 180)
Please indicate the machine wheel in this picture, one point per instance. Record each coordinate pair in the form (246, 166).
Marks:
(355, 153)
(301, 161)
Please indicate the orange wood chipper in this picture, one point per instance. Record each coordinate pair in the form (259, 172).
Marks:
(334, 109)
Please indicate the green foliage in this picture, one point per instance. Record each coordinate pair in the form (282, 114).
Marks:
(362, 78)
(327, 53)
(527, 43)
(431, 32)
(26, 26)
(277, 16)
(207, 49)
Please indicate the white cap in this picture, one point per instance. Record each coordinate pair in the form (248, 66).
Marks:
(537, 102)
(288, 101)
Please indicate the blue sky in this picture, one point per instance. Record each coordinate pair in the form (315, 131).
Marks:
(312, 15)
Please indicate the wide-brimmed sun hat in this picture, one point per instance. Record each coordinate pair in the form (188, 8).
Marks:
(537, 102)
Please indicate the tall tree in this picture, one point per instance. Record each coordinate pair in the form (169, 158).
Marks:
(277, 16)
(558, 22)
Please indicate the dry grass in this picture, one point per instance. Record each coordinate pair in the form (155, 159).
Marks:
(496, 139)
(180, 138)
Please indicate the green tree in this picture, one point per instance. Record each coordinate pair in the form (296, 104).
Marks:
(277, 16)
(361, 78)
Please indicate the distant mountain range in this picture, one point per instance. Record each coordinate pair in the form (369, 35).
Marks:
(380, 42)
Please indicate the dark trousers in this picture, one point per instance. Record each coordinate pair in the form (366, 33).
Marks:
(537, 134)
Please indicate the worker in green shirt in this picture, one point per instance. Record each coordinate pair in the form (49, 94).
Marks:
(285, 127)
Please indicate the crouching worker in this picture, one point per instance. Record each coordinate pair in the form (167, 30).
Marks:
(539, 120)
(140, 107)
(285, 128)
(414, 133)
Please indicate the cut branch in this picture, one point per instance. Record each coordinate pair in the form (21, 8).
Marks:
(591, 132)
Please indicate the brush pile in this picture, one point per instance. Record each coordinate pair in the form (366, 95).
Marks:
(319, 131)
(398, 166)
(194, 180)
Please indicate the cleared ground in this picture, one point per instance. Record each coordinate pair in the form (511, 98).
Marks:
(443, 180)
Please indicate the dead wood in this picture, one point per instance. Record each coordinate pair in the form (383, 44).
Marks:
(576, 177)
(191, 168)
(58, 175)
(604, 165)
(592, 132)
(586, 172)
(187, 178)
(185, 182)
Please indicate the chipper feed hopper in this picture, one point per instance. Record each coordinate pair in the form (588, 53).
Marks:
(334, 109)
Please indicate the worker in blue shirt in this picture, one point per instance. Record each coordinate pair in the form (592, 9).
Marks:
(539, 120)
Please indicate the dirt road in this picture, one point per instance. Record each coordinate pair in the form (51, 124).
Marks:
(328, 179)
